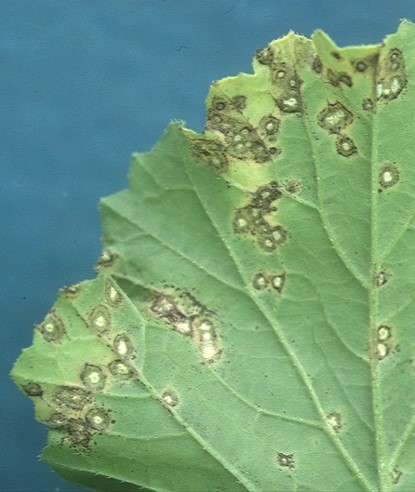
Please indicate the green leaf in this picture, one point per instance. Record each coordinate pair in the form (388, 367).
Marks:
(251, 324)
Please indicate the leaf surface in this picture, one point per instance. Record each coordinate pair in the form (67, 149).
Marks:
(250, 327)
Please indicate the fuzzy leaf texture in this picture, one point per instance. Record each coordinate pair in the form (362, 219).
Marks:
(251, 326)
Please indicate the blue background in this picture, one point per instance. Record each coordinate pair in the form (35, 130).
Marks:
(83, 84)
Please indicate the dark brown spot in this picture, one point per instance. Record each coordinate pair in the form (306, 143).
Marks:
(286, 460)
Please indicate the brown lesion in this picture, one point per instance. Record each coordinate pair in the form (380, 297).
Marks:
(266, 281)
(252, 219)
(391, 77)
(286, 460)
(190, 318)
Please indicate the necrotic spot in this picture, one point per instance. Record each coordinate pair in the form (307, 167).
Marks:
(52, 328)
(107, 258)
(381, 278)
(345, 79)
(100, 319)
(93, 377)
(269, 125)
(120, 370)
(388, 176)
(75, 398)
(384, 332)
(361, 66)
(260, 281)
(367, 104)
(277, 282)
(334, 420)
(98, 419)
(238, 102)
(291, 103)
(170, 398)
(265, 56)
(123, 346)
(345, 146)
(111, 293)
(382, 350)
(335, 117)
(286, 460)
(32, 389)
(316, 65)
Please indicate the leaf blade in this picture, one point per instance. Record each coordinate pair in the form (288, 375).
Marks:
(260, 288)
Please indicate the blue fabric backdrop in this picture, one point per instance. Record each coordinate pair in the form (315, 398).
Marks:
(83, 84)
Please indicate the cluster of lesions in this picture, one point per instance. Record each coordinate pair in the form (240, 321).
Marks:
(335, 119)
(100, 323)
(383, 345)
(265, 281)
(285, 83)
(73, 409)
(231, 137)
(391, 78)
(255, 219)
(190, 318)
(337, 78)
(236, 131)
(351, 69)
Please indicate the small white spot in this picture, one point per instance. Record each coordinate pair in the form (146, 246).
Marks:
(387, 177)
(163, 305)
(206, 337)
(290, 103)
(170, 398)
(113, 294)
(382, 350)
(396, 85)
(99, 321)
(280, 74)
(381, 279)
(270, 127)
(241, 223)
(334, 420)
(122, 345)
(209, 351)
(345, 145)
(49, 327)
(384, 332)
(268, 243)
(205, 326)
(183, 326)
(335, 118)
(121, 368)
(98, 419)
(277, 235)
(278, 281)
(379, 90)
(260, 281)
(94, 377)
(122, 348)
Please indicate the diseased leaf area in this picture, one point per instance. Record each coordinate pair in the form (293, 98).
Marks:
(251, 324)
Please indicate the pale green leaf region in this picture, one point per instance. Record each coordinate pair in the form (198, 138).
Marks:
(251, 326)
